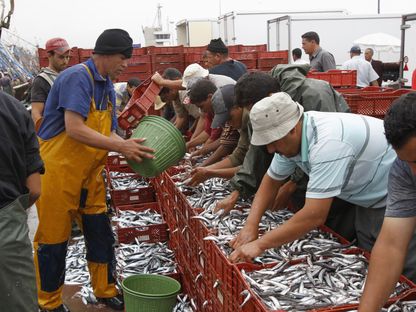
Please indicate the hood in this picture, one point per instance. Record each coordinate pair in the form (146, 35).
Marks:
(290, 77)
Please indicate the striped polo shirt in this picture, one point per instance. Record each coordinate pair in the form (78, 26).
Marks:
(344, 155)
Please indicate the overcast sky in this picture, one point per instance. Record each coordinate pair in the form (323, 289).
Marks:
(81, 21)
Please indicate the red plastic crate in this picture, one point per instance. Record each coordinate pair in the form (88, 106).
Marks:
(139, 51)
(167, 58)
(165, 50)
(373, 104)
(266, 64)
(133, 196)
(85, 53)
(138, 68)
(153, 234)
(191, 58)
(160, 67)
(142, 99)
(140, 59)
(337, 78)
(244, 55)
(118, 163)
(234, 48)
(283, 54)
(250, 64)
(126, 76)
(200, 49)
(257, 47)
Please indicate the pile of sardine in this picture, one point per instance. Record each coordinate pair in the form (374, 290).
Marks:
(128, 182)
(144, 258)
(206, 194)
(227, 227)
(399, 306)
(184, 304)
(316, 283)
(130, 218)
(76, 265)
(117, 174)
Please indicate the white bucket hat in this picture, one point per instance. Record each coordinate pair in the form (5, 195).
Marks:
(273, 117)
(193, 71)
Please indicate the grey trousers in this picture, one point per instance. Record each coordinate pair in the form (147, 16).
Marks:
(17, 272)
(368, 225)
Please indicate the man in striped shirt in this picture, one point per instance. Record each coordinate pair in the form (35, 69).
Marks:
(345, 156)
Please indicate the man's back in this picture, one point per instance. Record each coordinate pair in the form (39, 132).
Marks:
(231, 68)
(345, 156)
(365, 72)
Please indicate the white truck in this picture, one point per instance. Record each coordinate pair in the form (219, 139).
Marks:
(408, 48)
(337, 33)
(196, 32)
(250, 28)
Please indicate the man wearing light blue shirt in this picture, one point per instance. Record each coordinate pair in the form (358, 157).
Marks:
(345, 156)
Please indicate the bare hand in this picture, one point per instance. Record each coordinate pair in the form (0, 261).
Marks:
(198, 175)
(246, 253)
(157, 78)
(247, 234)
(228, 203)
(133, 150)
(283, 196)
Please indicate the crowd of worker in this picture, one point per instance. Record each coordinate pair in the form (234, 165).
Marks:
(280, 137)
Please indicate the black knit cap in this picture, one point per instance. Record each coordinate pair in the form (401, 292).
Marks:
(114, 41)
(217, 46)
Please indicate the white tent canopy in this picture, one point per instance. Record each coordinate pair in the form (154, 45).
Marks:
(379, 42)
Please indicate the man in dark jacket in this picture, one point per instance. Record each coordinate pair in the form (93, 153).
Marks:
(20, 169)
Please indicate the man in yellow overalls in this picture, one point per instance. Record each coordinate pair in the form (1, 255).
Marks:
(77, 132)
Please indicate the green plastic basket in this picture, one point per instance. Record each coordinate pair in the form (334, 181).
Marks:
(150, 293)
(165, 139)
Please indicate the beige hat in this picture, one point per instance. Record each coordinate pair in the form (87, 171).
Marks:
(158, 103)
(273, 117)
(193, 71)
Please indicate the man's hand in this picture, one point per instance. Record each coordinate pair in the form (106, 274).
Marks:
(228, 203)
(247, 234)
(198, 175)
(133, 150)
(157, 78)
(196, 154)
(284, 194)
(246, 253)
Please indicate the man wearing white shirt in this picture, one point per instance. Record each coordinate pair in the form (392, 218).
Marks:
(297, 57)
(366, 75)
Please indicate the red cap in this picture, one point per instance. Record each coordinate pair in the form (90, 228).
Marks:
(57, 45)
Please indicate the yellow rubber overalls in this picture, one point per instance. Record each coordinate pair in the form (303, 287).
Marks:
(73, 185)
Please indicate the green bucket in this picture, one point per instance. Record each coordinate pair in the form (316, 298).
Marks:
(165, 139)
(150, 293)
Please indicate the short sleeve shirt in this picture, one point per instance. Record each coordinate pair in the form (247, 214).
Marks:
(73, 90)
(322, 60)
(365, 72)
(40, 90)
(401, 198)
(232, 68)
(345, 156)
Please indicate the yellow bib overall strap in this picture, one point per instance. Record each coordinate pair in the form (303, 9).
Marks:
(74, 170)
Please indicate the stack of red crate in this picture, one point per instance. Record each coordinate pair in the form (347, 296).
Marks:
(194, 55)
(336, 78)
(166, 57)
(139, 66)
(269, 59)
(249, 58)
